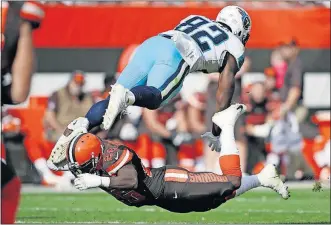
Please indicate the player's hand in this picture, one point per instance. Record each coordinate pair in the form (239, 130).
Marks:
(213, 141)
(180, 138)
(85, 181)
(32, 12)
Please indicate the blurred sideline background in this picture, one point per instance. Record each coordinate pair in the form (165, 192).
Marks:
(82, 47)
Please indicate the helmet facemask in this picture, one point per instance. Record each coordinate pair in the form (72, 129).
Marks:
(90, 166)
(84, 154)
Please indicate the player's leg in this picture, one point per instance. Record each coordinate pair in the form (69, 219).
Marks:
(186, 191)
(134, 74)
(10, 191)
(156, 51)
(158, 58)
(230, 162)
(167, 76)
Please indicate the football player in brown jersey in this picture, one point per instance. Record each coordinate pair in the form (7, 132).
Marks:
(118, 170)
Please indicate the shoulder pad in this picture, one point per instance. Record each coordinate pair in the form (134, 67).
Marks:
(115, 158)
(236, 49)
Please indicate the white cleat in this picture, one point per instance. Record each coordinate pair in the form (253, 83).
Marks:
(117, 104)
(58, 154)
(269, 178)
(229, 116)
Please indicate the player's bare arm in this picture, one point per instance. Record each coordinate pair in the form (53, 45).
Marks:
(127, 178)
(225, 89)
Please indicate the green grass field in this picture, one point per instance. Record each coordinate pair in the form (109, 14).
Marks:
(304, 206)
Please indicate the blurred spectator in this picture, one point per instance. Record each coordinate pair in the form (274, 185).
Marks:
(167, 126)
(194, 100)
(109, 79)
(285, 135)
(257, 116)
(279, 66)
(321, 147)
(64, 105)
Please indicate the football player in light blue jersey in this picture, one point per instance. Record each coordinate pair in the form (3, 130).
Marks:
(156, 72)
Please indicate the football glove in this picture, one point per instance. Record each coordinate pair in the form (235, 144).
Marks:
(213, 141)
(85, 181)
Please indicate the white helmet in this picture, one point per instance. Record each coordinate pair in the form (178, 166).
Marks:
(238, 20)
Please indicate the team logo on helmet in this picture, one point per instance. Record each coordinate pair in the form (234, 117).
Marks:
(245, 19)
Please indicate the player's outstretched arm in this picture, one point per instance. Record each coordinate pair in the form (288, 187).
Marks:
(224, 94)
(225, 89)
(127, 178)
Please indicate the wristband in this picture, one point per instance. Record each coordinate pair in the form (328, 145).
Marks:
(105, 181)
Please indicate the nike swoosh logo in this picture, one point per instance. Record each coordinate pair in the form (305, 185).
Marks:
(116, 158)
(74, 122)
(175, 195)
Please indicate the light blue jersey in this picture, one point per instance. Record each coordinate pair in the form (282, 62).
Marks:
(163, 61)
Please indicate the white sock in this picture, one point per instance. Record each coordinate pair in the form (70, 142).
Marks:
(158, 162)
(248, 183)
(41, 166)
(130, 98)
(228, 143)
(145, 162)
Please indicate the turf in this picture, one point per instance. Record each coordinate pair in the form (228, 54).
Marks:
(304, 206)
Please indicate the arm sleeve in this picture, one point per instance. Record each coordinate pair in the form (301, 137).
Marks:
(127, 178)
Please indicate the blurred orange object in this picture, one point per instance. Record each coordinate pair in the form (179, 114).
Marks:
(258, 167)
(126, 56)
(11, 124)
(38, 101)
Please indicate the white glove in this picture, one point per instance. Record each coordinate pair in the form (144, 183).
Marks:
(213, 142)
(85, 181)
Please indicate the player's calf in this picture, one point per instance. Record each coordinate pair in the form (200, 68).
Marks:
(229, 157)
(147, 97)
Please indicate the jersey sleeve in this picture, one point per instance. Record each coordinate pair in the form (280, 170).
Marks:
(236, 49)
(113, 160)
